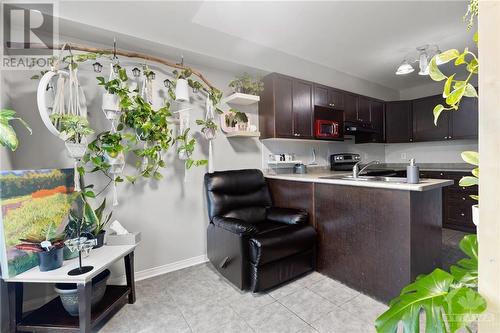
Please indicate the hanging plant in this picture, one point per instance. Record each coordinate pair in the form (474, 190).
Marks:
(8, 137)
(209, 128)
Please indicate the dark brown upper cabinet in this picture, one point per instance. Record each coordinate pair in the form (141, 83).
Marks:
(464, 121)
(302, 108)
(363, 113)
(423, 120)
(459, 124)
(398, 122)
(329, 97)
(350, 107)
(377, 120)
(286, 107)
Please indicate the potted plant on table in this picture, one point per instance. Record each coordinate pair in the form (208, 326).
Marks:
(48, 245)
(245, 84)
(95, 219)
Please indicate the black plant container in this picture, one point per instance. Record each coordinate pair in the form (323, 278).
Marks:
(50, 260)
(100, 239)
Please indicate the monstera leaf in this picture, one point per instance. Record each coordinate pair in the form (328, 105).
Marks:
(465, 271)
(428, 294)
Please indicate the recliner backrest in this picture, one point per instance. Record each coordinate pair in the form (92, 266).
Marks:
(241, 194)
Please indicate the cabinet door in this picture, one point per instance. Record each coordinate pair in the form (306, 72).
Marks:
(335, 98)
(302, 108)
(398, 122)
(283, 106)
(364, 109)
(350, 107)
(423, 120)
(464, 121)
(320, 95)
(377, 117)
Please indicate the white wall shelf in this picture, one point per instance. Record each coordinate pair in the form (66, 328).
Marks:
(241, 99)
(241, 134)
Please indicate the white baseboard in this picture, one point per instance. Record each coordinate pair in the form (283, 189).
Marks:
(155, 271)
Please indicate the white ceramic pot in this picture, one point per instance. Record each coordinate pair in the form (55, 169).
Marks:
(182, 90)
(475, 214)
(116, 163)
(76, 150)
(111, 106)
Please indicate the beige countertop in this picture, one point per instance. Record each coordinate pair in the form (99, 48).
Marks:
(317, 177)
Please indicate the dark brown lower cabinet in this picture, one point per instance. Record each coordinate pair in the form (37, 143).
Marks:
(457, 203)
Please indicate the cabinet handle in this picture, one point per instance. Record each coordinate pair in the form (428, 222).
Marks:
(462, 214)
(449, 137)
(442, 174)
(332, 104)
(463, 198)
(445, 137)
(411, 140)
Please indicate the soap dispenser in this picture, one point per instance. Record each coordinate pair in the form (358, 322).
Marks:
(412, 173)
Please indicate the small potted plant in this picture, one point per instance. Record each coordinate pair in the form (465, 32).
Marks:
(209, 128)
(181, 85)
(247, 85)
(48, 245)
(95, 218)
(73, 130)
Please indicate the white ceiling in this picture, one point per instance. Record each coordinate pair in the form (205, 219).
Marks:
(366, 39)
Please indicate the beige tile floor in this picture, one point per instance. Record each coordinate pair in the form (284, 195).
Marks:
(197, 299)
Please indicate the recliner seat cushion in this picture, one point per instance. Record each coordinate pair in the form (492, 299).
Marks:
(273, 245)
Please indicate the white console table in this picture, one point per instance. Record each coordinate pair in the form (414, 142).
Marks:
(52, 317)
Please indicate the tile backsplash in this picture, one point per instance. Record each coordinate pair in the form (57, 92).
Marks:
(423, 152)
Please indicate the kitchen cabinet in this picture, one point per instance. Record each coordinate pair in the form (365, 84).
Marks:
(459, 124)
(302, 109)
(377, 120)
(457, 203)
(398, 122)
(363, 110)
(350, 107)
(464, 121)
(286, 108)
(423, 120)
(329, 97)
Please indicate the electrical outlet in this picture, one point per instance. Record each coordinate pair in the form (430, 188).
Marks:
(403, 156)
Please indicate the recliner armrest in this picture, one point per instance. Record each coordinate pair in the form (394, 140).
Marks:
(287, 215)
(234, 225)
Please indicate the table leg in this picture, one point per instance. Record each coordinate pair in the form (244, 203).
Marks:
(15, 291)
(129, 272)
(84, 306)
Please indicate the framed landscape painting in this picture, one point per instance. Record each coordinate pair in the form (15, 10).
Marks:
(31, 200)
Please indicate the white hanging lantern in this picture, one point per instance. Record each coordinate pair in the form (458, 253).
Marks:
(182, 90)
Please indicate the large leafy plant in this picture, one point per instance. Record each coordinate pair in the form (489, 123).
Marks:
(450, 301)
(8, 137)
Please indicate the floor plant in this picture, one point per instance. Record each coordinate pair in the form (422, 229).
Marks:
(449, 301)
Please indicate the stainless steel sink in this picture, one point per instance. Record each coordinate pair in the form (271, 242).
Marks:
(400, 180)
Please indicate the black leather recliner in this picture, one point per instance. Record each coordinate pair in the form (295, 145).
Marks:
(252, 244)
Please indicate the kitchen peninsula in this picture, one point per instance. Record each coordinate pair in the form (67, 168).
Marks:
(374, 236)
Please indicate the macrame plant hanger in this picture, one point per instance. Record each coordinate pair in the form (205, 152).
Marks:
(116, 163)
(209, 132)
(75, 106)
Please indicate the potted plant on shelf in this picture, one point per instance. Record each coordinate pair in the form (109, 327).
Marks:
(95, 219)
(245, 84)
(48, 245)
(8, 137)
(235, 120)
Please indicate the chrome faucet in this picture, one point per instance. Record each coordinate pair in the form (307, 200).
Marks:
(356, 171)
